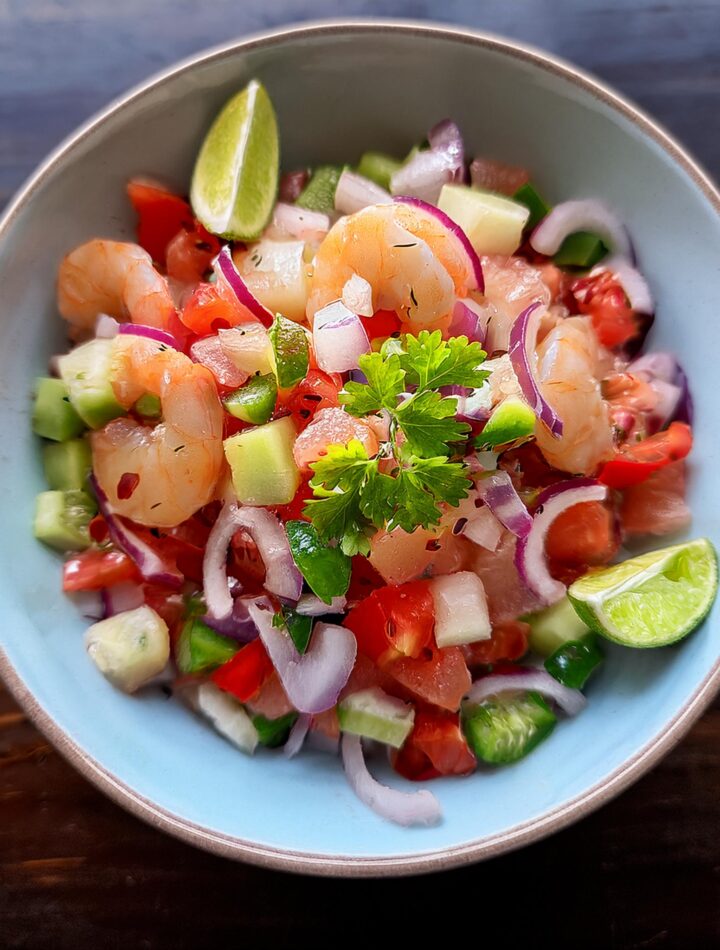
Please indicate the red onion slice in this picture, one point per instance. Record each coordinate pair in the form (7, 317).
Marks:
(530, 557)
(466, 321)
(296, 739)
(149, 563)
(313, 681)
(310, 605)
(569, 700)
(354, 192)
(282, 577)
(498, 492)
(424, 175)
(357, 296)
(586, 215)
(659, 368)
(339, 338)
(122, 597)
(106, 327)
(456, 231)
(633, 283)
(149, 333)
(404, 808)
(238, 625)
(225, 269)
(522, 355)
(299, 222)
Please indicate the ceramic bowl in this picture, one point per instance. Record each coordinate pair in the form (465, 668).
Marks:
(339, 89)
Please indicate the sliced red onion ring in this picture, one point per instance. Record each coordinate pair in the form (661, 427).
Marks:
(296, 739)
(312, 681)
(225, 269)
(238, 625)
(569, 700)
(658, 368)
(424, 175)
(339, 338)
(522, 356)
(106, 327)
(456, 231)
(652, 366)
(121, 597)
(354, 192)
(466, 321)
(633, 283)
(149, 563)
(498, 492)
(586, 215)
(358, 297)
(310, 605)
(90, 603)
(282, 578)
(404, 808)
(299, 222)
(530, 557)
(149, 333)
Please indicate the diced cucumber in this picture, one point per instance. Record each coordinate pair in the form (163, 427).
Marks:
(53, 415)
(200, 648)
(227, 716)
(87, 371)
(62, 519)
(255, 401)
(130, 648)
(581, 249)
(537, 206)
(291, 351)
(574, 662)
(274, 732)
(492, 223)
(67, 464)
(378, 167)
(326, 569)
(510, 420)
(454, 626)
(149, 406)
(262, 464)
(504, 729)
(554, 626)
(374, 714)
(319, 193)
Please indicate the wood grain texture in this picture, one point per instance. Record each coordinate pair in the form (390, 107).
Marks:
(75, 870)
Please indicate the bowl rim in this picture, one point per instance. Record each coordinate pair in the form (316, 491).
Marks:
(544, 824)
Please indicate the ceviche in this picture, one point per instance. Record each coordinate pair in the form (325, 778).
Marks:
(346, 457)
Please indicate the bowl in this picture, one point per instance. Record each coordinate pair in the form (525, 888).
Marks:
(340, 88)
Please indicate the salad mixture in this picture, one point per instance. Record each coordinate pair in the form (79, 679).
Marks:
(350, 453)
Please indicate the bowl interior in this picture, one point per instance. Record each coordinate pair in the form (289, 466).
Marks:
(337, 92)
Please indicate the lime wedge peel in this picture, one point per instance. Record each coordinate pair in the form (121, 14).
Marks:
(235, 179)
(652, 600)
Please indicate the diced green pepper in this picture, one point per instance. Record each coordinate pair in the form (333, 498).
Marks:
(573, 663)
(149, 406)
(378, 167)
(290, 349)
(274, 732)
(200, 648)
(505, 729)
(255, 401)
(53, 415)
(326, 569)
(319, 193)
(537, 206)
(67, 464)
(581, 249)
(512, 419)
(62, 519)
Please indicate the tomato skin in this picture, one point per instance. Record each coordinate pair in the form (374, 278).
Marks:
(319, 390)
(394, 622)
(190, 253)
(363, 580)
(509, 641)
(602, 297)
(161, 214)
(381, 324)
(213, 307)
(634, 463)
(436, 746)
(584, 536)
(245, 673)
(442, 678)
(93, 570)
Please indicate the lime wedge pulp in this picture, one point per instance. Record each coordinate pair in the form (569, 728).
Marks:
(235, 180)
(651, 600)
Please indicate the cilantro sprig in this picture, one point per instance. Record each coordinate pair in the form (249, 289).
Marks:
(415, 472)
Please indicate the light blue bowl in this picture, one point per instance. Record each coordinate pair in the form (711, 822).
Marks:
(338, 89)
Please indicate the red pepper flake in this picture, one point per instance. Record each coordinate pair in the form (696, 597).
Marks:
(127, 484)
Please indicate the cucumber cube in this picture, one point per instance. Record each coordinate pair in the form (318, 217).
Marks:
(493, 224)
(130, 648)
(319, 193)
(87, 372)
(67, 464)
(378, 167)
(62, 519)
(374, 714)
(53, 415)
(262, 464)
(553, 627)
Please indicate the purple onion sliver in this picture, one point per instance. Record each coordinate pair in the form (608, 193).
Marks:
(239, 624)
(522, 344)
(224, 267)
(465, 322)
(571, 701)
(445, 138)
(149, 333)
(498, 492)
(296, 739)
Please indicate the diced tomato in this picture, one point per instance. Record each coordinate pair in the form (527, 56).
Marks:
(509, 641)
(603, 298)
(190, 253)
(271, 701)
(364, 579)
(93, 570)
(436, 746)
(293, 511)
(317, 391)
(161, 215)
(98, 529)
(657, 506)
(583, 536)
(529, 465)
(394, 622)
(246, 564)
(213, 307)
(381, 324)
(442, 678)
(292, 184)
(245, 673)
(635, 462)
(168, 603)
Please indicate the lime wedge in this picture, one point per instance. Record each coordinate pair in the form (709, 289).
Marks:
(651, 600)
(235, 179)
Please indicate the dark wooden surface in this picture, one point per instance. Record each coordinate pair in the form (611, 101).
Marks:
(78, 872)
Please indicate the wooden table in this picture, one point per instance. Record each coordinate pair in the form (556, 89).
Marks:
(75, 870)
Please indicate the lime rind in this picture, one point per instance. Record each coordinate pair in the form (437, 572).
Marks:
(652, 600)
(235, 179)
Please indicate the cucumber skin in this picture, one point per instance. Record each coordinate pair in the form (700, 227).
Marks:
(53, 415)
(480, 730)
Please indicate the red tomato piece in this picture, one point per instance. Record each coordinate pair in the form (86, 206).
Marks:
(657, 506)
(363, 580)
(190, 253)
(436, 746)
(509, 641)
(441, 679)
(394, 622)
(245, 673)
(161, 215)
(603, 298)
(381, 324)
(93, 570)
(583, 536)
(635, 462)
(169, 604)
(319, 390)
(213, 307)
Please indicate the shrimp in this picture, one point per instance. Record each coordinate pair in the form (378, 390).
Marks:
(160, 476)
(568, 369)
(511, 284)
(410, 261)
(115, 278)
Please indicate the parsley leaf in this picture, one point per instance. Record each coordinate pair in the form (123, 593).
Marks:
(431, 362)
(385, 382)
(429, 424)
